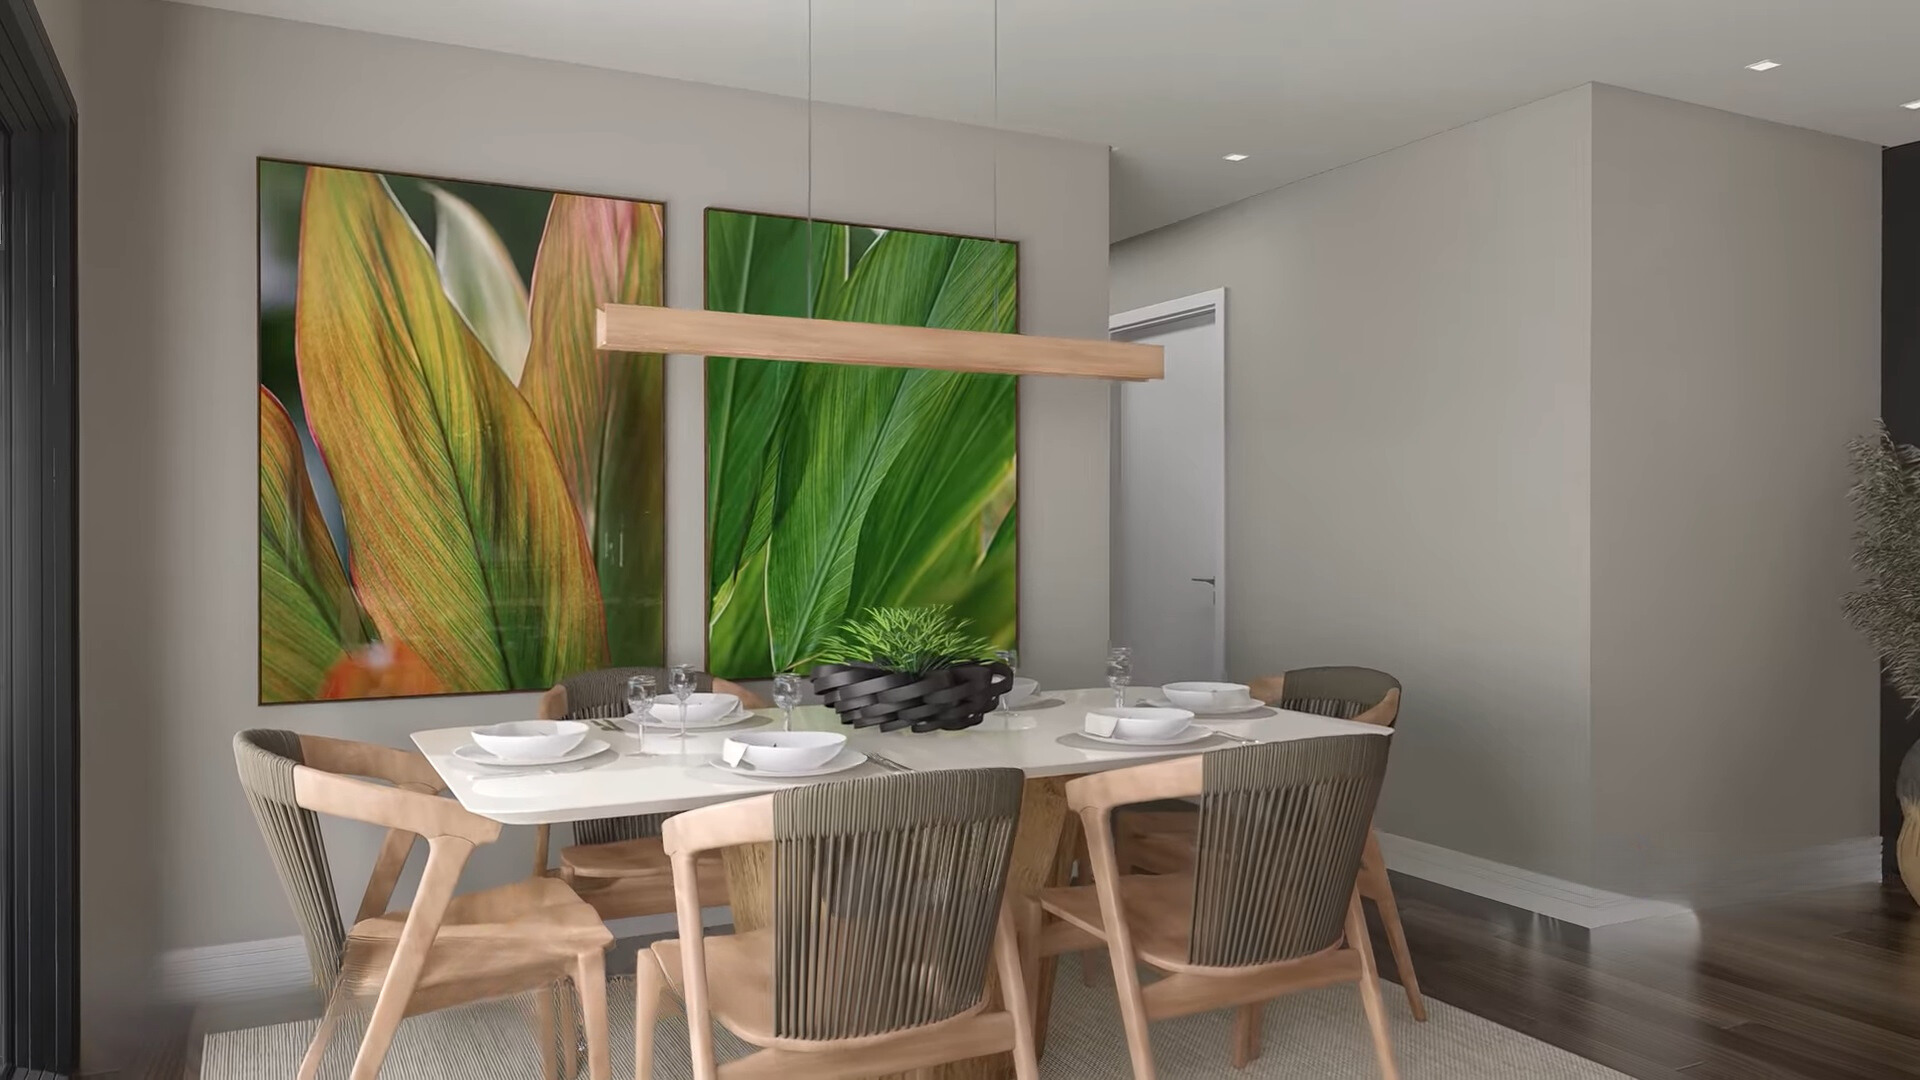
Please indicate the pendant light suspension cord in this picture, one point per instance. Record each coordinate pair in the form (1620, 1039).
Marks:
(808, 313)
(995, 135)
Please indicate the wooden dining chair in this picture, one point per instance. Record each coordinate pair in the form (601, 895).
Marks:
(889, 901)
(443, 951)
(1161, 840)
(616, 864)
(1269, 906)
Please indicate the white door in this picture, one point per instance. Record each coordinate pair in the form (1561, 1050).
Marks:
(1170, 495)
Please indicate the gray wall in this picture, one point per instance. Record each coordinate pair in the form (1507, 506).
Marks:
(178, 102)
(1407, 407)
(1736, 299)
(1547, 414)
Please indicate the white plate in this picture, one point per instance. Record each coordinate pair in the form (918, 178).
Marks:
(472, 753)
(1193, 733)
(1159, 702)
(846, 759)
(654, 723)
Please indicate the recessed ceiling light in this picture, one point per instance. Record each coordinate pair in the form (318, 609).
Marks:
(1911, 105)
(1234, 157)
(1763, 65)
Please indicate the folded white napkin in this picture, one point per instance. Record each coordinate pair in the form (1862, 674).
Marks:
(1102, 725)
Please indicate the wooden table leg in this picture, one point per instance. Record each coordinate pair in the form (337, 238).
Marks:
(1037, 862)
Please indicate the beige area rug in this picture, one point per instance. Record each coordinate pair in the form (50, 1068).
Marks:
(1320, 1034)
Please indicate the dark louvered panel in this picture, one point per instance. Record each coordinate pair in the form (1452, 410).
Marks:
(39, 813)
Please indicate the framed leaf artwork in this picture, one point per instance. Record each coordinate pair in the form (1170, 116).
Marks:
(835, 488)
(458, 492)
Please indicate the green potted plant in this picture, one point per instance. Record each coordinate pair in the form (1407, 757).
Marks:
(918, 667)
(1886, 604)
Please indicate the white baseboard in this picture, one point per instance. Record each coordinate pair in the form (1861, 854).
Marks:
(1582, 905)
(1694, 885)
(241, 969)
(279, 965)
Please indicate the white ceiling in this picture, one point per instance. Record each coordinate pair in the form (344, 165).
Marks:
(1300, 85)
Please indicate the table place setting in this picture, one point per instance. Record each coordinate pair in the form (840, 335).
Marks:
(526, 744)
(1132, 729)
(1210, 700)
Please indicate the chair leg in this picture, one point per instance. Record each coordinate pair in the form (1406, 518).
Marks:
(1246, 1033)
(1126, 977)
(649, 986)
(1370, 999)
(590, 979)
(1083, 875)
(445, 857)
(1031, 921)
(570, 1036)
(1013, 992)
(547, 1007)
(317, 1049)
(1376, 886)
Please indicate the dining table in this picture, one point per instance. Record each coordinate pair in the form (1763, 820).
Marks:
(653, 771)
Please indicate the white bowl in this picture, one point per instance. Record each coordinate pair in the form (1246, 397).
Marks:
(527, 740)
(783, 751)
(1208, 696)
(701, 708)
(1023, 689)
(1141, 721)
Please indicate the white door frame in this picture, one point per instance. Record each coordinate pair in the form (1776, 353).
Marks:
(1172, 311)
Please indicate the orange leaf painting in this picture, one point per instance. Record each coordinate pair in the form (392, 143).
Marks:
(463, 540)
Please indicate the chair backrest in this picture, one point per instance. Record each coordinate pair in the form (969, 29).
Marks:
(1348, 693)
(290, 779)
(1282, 828)
(886, 895)
(602, 694)
(266, 761)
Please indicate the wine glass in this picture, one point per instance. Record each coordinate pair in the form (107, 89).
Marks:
(681, 682)
(786, 694)
(1013, 721)
(640, 695)
(1119, 673)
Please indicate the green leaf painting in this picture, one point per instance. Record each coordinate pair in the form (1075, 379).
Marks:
(458, 493)
(836, 489)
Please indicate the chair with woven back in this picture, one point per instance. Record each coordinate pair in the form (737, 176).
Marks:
(616, 864)
(1161, 840)
(443, 951)
(1268, 905)
(889, 910)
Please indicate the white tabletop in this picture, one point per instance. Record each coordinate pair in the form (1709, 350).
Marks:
(672, 776)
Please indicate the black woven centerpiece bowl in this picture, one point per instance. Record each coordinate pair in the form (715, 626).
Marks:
(944, 699)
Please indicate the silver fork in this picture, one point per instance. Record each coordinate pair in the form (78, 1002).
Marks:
(1236, 737)
(887, 763)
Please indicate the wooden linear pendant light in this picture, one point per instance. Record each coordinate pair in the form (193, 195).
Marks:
(635, 328)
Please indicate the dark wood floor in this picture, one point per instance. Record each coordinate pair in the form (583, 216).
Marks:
(1821, 986)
